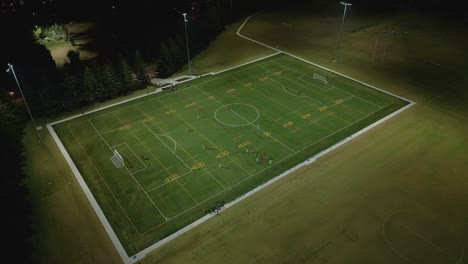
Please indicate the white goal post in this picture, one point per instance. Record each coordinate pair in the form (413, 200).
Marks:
(117, 160)
(319, 77)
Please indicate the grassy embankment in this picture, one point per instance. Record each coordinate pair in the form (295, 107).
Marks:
(409, 171)
(67, 229)
(393, 195)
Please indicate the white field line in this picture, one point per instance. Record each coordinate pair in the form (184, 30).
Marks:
(290, 155)
(134, 155)
(166, 240)
(139, 185)
(330, 88)
(175, 143)
(160, 90)
(316, 65)
(100, 214)
(147, 250)
(263, 131)
(281, 84)
(156, 135)
(313, 84)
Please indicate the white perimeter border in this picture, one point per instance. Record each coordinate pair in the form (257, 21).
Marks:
(141, 254)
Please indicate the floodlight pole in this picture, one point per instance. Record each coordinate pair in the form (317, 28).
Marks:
(10, 67)
(342, 23)
(186, 40)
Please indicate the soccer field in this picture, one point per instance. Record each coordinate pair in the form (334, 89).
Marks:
(211, 140)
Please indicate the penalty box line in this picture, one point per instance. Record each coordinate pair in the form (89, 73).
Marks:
(290, 155)
(139, 185)
(134, 155)
(332, 87)
(183, 149)
(104, 180)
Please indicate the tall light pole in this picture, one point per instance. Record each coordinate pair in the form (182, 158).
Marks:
(342, 23)
(186, 40)
(10, 68)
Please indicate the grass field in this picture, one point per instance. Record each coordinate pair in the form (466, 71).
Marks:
(82, 33)
(337, 209)
(212, 140)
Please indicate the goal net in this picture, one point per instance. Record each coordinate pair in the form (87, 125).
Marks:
(319, 77)
(117, 160)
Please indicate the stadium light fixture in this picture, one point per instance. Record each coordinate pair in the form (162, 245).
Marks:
(186, 41)
(342, 23)
(10, 68)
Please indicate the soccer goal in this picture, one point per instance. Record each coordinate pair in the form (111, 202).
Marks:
(319, 77)
(117, 160)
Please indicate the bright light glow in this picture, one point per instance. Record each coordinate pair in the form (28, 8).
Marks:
(11, 93)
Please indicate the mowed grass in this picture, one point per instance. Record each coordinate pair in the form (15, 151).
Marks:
(212, 140)
(394, 195)
(414, 162)
(83, 35)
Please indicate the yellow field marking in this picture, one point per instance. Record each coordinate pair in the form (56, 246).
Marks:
(170, 111)
(124, 127)
(295, 130)
(338, 101)
(198, 165)
(192, 157)
(323, 108)
(347, 106)
(137, 138)
(244, 144)
(230, 90)
(171, 178)
(209, 141)
(270, 99)
(148, 119)
(278, 73)
(211, 97)
(238, 137)
(333, 114)
(183, 149)
(222, 154)
(247, 84)
(305, 116)
(267, 134)
(187, 192)
(264, 78)
(288, 124)
(190, 105)
(315, 122)
(105, 182)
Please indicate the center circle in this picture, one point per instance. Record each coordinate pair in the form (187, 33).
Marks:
(236, 114)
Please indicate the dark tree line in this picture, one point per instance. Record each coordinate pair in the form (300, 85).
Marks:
(81, 83)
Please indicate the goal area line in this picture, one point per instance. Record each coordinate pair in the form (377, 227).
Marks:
(132, 259)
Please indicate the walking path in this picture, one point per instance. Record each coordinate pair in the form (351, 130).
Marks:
(181, 79)
(172, 81)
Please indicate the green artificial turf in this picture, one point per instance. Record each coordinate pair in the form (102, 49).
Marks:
(212, 139)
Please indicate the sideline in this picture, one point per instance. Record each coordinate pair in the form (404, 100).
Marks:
(132, 259)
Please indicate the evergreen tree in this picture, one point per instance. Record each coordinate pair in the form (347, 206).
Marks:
(68, 88)
(88, 87)
(126, 76)
(167, 64)
(74, 63)
(139, 66)
(110, 81)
